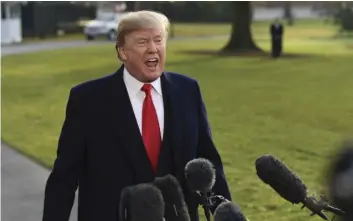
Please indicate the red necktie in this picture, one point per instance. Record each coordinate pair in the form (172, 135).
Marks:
(150, 128)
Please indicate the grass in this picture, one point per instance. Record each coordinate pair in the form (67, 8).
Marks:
(298, 108)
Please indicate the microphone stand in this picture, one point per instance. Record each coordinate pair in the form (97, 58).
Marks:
(204, 203)
(318, 206)
(205, 207)
(210, 203)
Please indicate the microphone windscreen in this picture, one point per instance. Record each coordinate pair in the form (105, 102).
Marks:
(228, 211)
(341, 179)
(276, 174)
(146, 203)
(175, 206)
(200, 175)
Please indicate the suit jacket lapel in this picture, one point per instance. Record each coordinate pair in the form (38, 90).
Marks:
(173, 126)
(124, 122)
(166, 150)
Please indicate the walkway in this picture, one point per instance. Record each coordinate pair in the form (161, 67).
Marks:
(22, 188)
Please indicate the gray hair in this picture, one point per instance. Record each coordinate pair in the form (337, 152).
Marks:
(144, 19)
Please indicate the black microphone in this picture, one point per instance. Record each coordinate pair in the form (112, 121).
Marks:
(228, 211)
(142, 202)
(175, 206)
(341, 179)
(289, 186)
(200, 177)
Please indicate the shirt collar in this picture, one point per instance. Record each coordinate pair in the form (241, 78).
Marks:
(134, 85)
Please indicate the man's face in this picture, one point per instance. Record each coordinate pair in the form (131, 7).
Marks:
(144, 54)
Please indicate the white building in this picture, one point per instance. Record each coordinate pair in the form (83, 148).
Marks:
(11, 29)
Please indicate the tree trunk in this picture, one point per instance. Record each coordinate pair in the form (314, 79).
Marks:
(241, 38)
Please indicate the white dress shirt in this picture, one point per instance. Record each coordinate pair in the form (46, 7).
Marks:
(137, 97)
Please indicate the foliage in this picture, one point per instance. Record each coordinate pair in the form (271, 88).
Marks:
(191, 11)
(345, 18)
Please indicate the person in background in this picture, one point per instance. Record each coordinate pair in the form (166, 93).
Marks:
(276, 31)
(129, 127)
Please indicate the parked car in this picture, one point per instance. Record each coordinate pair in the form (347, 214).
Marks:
(105, 25)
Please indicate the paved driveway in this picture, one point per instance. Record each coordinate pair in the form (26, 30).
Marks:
(22, 188)
(50, 45)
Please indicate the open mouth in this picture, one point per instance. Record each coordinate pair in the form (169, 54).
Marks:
(152, 62)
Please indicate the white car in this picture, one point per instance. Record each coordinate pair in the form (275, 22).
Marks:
(104, 25)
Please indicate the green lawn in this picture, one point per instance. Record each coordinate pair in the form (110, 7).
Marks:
(298, 108)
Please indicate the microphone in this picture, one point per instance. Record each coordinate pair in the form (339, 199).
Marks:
(341, 179)
(142, 202)
(200, 177)
(228, 211)
(175, 206)
(289, 186)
